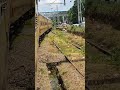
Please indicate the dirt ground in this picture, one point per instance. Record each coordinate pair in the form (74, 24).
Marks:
(70, 78)
(101, 73)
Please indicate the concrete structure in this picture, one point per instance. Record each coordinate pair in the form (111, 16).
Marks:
(59, 17)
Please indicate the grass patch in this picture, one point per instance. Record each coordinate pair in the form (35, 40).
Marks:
(106, 37)
(66, 47)
(71, 39)
(42, 71)
(76, 29)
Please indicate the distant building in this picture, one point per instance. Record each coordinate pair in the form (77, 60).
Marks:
(59, 17)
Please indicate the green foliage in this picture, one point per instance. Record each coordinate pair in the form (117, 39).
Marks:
(73, 12)
(107, 12)
(116, 56)
(76, 29)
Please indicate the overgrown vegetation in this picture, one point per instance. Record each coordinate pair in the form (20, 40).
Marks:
(73, 12)
(103, 25)
(66, 40)
(107, 12)
(106, 37)
(76, 29)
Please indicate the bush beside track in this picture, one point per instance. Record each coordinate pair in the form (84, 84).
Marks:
(104, 36)
(77, 30)
(107, 12)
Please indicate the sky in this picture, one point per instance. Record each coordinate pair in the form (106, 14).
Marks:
(44, 6)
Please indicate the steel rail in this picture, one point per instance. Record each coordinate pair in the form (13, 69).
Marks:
(68, 59)
(99, 48)
(86, 86)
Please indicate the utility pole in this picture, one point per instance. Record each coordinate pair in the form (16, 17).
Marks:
(56, 9)
(64, 2)
(78, 6)
(79, 11)
(36, 6)
(57, 15)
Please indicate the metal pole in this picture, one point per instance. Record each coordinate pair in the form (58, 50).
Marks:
(57, 15)
(78, 6)
(80, 11)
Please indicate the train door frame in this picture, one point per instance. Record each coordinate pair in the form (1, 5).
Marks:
(4, 28)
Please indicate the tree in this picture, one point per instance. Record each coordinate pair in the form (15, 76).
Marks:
(73, 12)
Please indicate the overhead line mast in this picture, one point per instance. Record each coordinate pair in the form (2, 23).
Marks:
(79, 6)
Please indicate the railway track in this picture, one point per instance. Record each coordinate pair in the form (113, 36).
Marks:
(99, 48)
(86, 86)
(94, 45)
(72, 42)
(68, 59)
(75, 45)
(71, 61)
(94, 82)
(104, 51)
